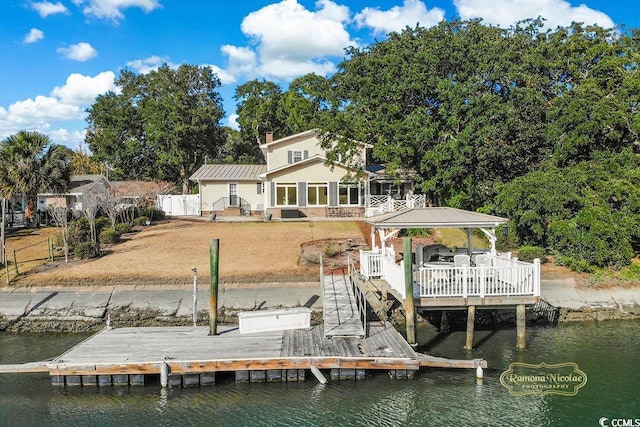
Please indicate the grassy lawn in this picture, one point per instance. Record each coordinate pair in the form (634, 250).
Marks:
(165, 253)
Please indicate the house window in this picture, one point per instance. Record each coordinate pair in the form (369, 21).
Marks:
(349, 194)
(317, 194)
(297, 155)
(286, 194)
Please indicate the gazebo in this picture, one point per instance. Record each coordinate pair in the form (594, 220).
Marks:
(468, 278)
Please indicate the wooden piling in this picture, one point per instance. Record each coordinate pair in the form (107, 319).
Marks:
(214, 246)
(521, 318)
(471, 318)
(164, 374)
(409, 306)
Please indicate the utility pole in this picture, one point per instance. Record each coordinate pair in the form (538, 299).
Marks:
(3, 252)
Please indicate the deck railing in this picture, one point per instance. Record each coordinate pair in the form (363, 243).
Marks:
(377, 204)
(371, 263)
(504, 278)
(361, 301)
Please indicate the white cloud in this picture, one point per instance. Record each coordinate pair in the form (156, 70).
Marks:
(290, 38)
(144, 66)
(232, 122)
(112, 9)
(79, 52)
(46, 8)
(397, 18)
(33, 36)
(82, 90)
(70, 138)
(41, 109)
(507, 12)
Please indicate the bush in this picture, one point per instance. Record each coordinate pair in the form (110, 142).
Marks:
(101, 224)
(110, 235)
(151, 212)
(141, 220)
(124, 228)
(85, 250)
(331, 250)
(529, 253)
(579, 265)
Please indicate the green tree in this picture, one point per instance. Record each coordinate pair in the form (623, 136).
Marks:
(31, 164)
(260, 111)
(160, 126)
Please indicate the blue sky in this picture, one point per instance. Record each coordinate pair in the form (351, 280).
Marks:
(60, 54)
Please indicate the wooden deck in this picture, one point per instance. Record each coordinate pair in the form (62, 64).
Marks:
(190, 350)
(341, 316)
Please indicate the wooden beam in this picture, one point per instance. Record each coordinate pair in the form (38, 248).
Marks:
(214, 246)
(521, 320)
(471, 318)
(409, 307)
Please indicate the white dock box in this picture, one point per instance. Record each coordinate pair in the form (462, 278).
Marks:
(274, 320)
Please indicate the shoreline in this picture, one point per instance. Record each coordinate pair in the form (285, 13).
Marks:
(87, 308)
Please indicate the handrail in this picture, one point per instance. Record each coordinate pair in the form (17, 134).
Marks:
(361, 302)
(226, 202)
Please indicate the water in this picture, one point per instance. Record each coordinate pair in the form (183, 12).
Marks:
(608, 352)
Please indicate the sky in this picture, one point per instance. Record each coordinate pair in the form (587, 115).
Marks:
(58, 55)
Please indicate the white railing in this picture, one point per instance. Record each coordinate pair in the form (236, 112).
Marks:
(371, 263)
(376, 205)
(393, 274)
(505, 278)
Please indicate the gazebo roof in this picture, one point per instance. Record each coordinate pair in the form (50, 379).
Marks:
(438, 217)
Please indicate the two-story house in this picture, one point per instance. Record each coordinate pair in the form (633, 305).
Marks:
(297, 182)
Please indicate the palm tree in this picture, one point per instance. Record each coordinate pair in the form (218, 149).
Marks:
(31, 164)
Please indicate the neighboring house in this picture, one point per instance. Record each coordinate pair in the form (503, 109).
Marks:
(83, 189)
(296, 181)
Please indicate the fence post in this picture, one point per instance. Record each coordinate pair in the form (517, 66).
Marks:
(409, 307)
(15, 262)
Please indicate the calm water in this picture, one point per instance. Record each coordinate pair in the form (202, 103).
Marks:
(608, 352)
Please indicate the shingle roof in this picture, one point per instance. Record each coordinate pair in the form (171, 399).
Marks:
(228, 173)
(438, 217)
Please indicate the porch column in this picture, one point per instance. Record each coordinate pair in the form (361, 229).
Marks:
(409, 306)
(373, 237)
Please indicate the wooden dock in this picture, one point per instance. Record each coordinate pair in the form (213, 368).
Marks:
(189, 356)
(340, 311)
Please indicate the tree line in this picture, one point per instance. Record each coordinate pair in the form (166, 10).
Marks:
(540, 126)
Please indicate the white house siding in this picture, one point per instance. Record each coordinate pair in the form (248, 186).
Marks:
(315, 172)
(211, 192)
(279, 153)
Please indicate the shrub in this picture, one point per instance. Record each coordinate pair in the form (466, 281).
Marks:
(123, 228)
(331, 250)
(579, 265)
(417, 232)
(529, 253)
(85, 250)
(141, 220)
(101, 224)
(110, 235)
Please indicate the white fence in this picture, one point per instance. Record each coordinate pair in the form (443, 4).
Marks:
(376, 205)
(180, 204)
(505, 277)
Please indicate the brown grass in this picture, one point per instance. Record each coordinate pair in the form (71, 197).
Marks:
(166, 253)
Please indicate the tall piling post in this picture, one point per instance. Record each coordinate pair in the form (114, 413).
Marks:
(214, 246)
(471, 318)
(521, 334)
(409, 306)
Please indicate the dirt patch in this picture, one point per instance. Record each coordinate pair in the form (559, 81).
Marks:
(333, 252)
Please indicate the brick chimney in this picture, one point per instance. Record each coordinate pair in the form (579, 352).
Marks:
(269, 137)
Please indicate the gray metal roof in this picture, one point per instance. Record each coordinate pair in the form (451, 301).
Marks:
(228, 173)
(439, 217)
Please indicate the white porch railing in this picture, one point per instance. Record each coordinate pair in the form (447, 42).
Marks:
(371, 263)
(376, 205)
(505, 277)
